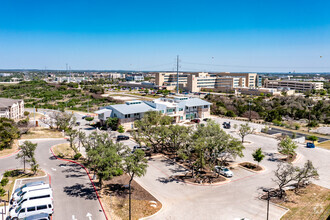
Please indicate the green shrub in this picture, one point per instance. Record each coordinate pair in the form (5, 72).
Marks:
(230, 113)
(296, 126)
(89, 118)
(11, 173)
(77, 156)
(4, 181)
(26, 113)
(121, 129)
(2, 192)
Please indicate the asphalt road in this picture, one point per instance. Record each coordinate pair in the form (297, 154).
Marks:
(74, 195)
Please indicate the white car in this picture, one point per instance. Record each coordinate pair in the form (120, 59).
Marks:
(223, 171)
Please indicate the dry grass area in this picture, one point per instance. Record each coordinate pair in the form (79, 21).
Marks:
(325, 145)
(19, 175)
(310, 203)
(11, 150)
(114, 196)
(39, 132)
(63, 149)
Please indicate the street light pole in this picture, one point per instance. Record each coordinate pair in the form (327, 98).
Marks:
(268, 204)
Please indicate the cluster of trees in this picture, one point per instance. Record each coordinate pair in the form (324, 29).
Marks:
(60, 120)
(26, 154)
(203, 147)
(108, 159)
(40, 94)
(276, 108)
(8, 132)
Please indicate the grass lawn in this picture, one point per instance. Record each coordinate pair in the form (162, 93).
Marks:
(312, 202)
(325, 145)
(39, 132)
(11, 150)
(64, 149)
(19, 175)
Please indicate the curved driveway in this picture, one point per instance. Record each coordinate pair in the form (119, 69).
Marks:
(74, 195)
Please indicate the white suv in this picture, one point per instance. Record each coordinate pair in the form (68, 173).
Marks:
(223, 171)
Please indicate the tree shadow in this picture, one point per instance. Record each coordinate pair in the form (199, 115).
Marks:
(166, 180)
(82, 191)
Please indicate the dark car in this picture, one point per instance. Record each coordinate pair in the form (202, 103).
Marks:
(226, 125)
(122, 137)
(310, 145)
(196, 120)
(77, 123)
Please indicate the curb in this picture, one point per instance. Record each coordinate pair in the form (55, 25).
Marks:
(98, 197)
(264, 169)
(11, 154)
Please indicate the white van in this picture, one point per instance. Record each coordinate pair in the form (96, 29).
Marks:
(34, 194)
(20, 193)
(32, 207)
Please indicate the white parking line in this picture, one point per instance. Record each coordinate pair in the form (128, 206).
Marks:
(53, 169)
(73, 218)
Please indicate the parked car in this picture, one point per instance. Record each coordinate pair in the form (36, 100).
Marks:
(33, 207)
(226, 125)
(19, 194)
(206, 119)
(41, 216)
(83, 117)
(37, 183)
(223, 171)
(144, 148)
(34, 195)
(122, 137)
(196, 120)
(310, 145)
(77, 123)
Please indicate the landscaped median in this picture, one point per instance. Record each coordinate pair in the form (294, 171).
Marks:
(9, 178)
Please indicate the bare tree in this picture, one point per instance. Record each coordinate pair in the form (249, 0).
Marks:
(285, 174)
(306, 173)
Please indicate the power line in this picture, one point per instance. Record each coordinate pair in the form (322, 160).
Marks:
(224, 65)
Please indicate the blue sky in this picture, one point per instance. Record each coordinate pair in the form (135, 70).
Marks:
(232, 35)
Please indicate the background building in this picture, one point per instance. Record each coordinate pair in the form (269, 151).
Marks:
(293, 85)
(194, 82)
(11, 108)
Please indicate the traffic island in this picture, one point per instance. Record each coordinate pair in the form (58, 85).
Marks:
(201, 178)
(114, 196)
(251, 166)
(7, 152)
(9, 178)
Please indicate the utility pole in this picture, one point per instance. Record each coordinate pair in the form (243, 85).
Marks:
(177, 74)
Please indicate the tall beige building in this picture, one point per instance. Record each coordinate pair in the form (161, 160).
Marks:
(194, 82)
(293, 85)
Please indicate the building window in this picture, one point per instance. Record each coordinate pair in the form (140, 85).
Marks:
(180, 109)
(206, 106)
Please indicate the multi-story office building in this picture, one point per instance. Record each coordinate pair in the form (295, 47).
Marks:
(194, 82)
(179, 108)
(134, 77)
(293, 85)
(11, 108)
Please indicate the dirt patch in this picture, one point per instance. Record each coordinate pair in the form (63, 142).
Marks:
(8, 151)
(325, 145)
(251, 166)
(201, 178)
(312, 202)
(115, 199)
(288, 159)
(40, 132)
(63, 151)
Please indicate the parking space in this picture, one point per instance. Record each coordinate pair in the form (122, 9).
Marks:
(239, 173)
